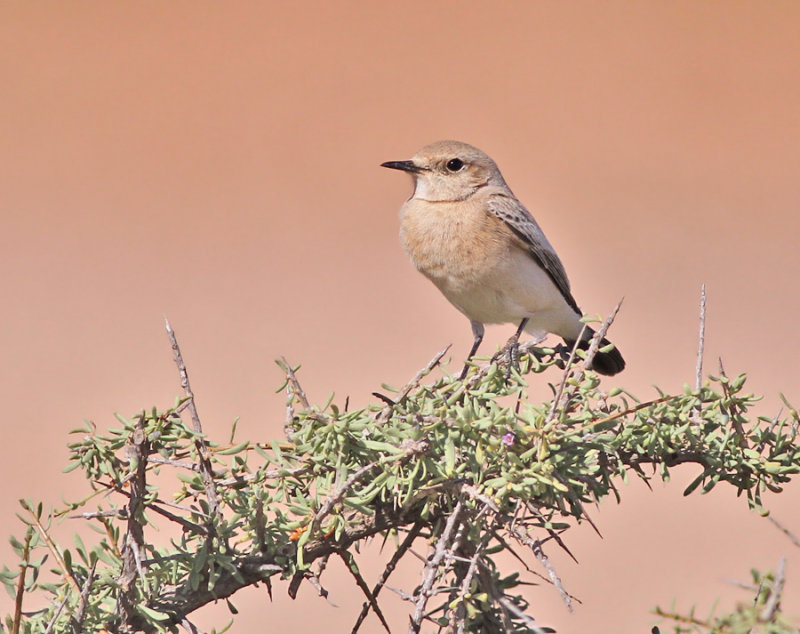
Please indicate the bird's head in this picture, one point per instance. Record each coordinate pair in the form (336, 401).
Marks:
(449, 171)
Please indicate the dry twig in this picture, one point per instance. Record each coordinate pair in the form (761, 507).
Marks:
(293, 391)
(775, 593)
(466, 583)
(701, 340)
(384, 413)
(52, 547)
(387, 571)
(23, 569)
(350, 562)
(794, 539)
(202, 450)
(80, 614)
(432, 567)
(127, 599)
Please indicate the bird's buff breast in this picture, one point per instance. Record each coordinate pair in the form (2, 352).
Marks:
(462, 250)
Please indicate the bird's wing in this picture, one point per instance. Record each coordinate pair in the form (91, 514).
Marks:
(532, 238)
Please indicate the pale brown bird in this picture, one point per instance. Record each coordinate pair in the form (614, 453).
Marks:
(465, 230)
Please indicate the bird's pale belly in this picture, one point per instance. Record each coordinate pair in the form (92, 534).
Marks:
(504, 287)
(480, 270)
(500, 295)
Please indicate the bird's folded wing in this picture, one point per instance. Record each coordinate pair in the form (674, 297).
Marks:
(532, 239)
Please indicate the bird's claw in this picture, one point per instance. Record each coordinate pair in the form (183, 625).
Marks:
(511, 353)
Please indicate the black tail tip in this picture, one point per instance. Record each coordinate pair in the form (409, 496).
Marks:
(606, 363)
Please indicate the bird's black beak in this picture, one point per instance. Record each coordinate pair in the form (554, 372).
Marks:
(405, 166)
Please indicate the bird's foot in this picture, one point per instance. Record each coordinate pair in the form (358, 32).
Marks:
(512, 357)
(510, 354)
(563, 352)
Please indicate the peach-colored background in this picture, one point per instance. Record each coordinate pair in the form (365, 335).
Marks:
(218, 163)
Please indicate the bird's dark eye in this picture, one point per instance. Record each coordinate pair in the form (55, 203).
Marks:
(455, 164)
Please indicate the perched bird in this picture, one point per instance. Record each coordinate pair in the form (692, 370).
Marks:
(465, 230)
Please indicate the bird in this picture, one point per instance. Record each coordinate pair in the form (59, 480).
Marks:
(465, 231)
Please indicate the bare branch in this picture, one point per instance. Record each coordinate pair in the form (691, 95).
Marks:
(51, 546)
(536, 546)
(350, 562)
(268, 474)
(598, 337)
(466, 583)
(56, 614)
(785, 531)
(551, 572)
(682, 619)
(127, 599)
(114, 513)
(387, 571)
(153, 506)
(701, 340)
(414, 382)
(181, 464)
(775, 593)
(557, 399)
(202, 450)
(431, 568)
(313, 579)
(80, 614)
(384, 413)
(553, 535)
(293, 387)
(23, 569)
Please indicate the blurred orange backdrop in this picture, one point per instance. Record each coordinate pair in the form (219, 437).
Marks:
(218, 163)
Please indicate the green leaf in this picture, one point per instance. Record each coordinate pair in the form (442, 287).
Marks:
(377, 445)
(449, 455)
(151, 614)
(233, 450)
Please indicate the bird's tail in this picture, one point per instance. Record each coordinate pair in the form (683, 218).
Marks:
(608, 363)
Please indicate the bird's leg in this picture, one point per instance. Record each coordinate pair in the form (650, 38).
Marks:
(511, 349)
(564, 352)
(477, 334)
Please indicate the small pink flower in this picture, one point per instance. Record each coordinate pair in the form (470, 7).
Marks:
(509, 439)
